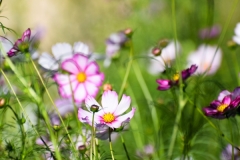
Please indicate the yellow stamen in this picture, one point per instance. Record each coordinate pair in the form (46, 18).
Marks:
(108, 117)
(176, 77)
(222, 107)
(81, 77)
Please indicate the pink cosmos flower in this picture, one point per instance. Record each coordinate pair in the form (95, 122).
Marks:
(84, 78)
(110, 113)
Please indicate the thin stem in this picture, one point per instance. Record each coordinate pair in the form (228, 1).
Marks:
(110, 143)
(22, 131)
(175, 127)
(92, 149)
(124, 146)
(60, 117)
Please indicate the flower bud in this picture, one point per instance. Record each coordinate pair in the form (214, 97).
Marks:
(94, 108)
(128, 32)
(156, 51)
(23, 120)
(163, 43)
(107, 87)
(82, 149)
(231, 44)
(2, 102)
(56, 127)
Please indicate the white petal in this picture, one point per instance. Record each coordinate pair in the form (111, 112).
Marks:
(82, 48)
(48, 62)
(109, 101)
(236, 39)
(123, 105)
(92, 68)
(61, 51)
(84, 116)
(89, 101)
(119, 120)
(63, 79)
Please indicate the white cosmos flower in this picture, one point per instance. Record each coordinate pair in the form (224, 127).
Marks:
(236, 37)
(206, 59)
(110, 113)
(168, 54)
(61, 52)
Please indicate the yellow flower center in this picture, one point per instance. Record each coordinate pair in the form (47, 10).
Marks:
(81, 77)
(222, 107)
(176, 77)
(108, 117)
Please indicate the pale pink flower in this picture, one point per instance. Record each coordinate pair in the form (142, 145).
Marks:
(84, 78)
(110, 113)
(207, 58)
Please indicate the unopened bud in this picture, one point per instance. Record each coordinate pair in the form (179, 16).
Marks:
(94, 108)
(107, 87)
(23, 120)
(82, 149)
(56, 127)
(128, 32)
(156, 51)
(2, 102)
(231, 44)
(163, 43)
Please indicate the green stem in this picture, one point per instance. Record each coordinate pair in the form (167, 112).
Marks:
(110, 143)
(124, 146)
(19, 121)
(92, 149)
(175, 127)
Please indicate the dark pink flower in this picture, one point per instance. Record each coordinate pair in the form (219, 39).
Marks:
(21, 45)
(225, 106)
(165, 84)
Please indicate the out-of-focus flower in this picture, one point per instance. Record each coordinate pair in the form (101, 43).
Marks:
(65, 106)
(227, 153)
(148, 151)
(111, 111)
(236, 37)
(61, 52)
(207, 58)
(84, 78)
(159, 63)
(225, 106)
(165, 84)
(21, 45)
(210, 32)
(107, 87)
(113, 44)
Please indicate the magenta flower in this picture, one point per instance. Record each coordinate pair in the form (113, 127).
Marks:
(165, 84)
(110, 113)
(21, 45)
(84, 78)
(225, 106)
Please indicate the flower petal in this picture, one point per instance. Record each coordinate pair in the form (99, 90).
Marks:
(82, 48)
(62, 51)
(84, 116)
(48, 62)
(227, 100)
(81, 61)
(91, 88)
(92, 68)
(164, 84)
(89, 101)
(109, 101)
(70, 66)
(63, 79)
(236, 93)
(223, 94)
(123, 105)
(80, 93)
(119, 120)
(96, 79)
(67, 89)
